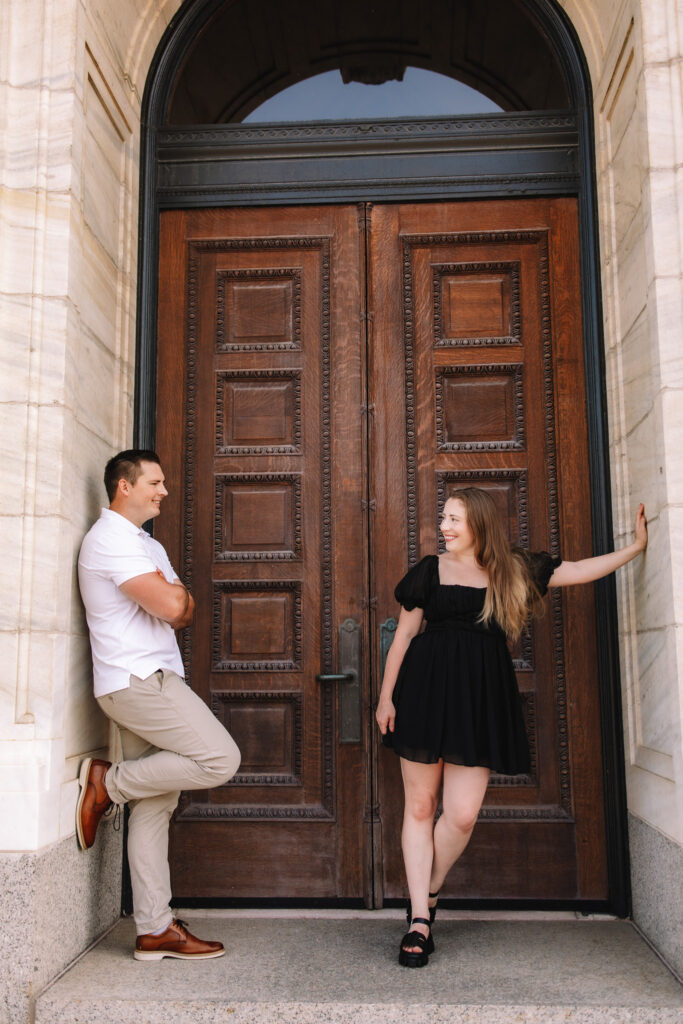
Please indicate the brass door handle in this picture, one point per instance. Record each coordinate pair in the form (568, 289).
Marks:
(336, 677)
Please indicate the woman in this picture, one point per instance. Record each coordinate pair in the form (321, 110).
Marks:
(449, 704)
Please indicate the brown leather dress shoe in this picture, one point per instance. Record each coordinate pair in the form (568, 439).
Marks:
(178, 942)
(93, 800)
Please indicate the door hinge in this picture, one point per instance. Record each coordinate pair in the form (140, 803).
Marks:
(367, 409)
(366, 314)
(369, 602)
(372, 504)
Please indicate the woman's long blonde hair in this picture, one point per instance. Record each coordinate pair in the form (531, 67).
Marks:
(511, 596)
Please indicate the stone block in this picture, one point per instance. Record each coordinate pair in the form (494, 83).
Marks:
(42, 892)
(654, 691)
(660, 32)
(639, 379)
(86, 728)
(96, 386)
(656, 872)
(98, 293)
(10, 571)
(663, 215)
(633, 275)
(663, 127)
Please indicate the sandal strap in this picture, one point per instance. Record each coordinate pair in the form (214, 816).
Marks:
(414, 939)
(421, 920)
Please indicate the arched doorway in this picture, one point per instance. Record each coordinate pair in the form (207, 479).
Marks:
(353, 318)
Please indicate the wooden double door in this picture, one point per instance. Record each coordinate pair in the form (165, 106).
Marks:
(326, 376)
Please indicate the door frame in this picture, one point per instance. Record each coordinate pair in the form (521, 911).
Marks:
(553, 155)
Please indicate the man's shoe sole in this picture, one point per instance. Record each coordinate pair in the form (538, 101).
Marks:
(83, 782)
(159, 954)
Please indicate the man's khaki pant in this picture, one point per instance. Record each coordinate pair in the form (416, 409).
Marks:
(171, 741)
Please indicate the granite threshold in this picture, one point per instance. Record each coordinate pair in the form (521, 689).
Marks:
(341, 966)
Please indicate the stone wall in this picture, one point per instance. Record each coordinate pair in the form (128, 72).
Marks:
(71, 78)
(639, 139)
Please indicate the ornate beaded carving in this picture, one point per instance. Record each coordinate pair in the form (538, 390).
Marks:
(275, 274)
(222, 479)
(223, 377)
(491, 370)
(509, 268)
(292, 664)
(294, 700)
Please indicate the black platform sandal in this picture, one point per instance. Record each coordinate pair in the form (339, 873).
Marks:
(408, 958)
(432, 910)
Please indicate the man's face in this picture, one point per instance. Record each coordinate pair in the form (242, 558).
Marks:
(142, 500)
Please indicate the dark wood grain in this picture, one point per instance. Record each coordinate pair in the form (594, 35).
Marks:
(260, 359)
(314, 410)
(504, 409)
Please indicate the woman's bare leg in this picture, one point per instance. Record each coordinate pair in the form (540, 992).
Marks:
(464, 789)
(421, 784)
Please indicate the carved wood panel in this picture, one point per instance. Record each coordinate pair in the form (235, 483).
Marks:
(301, 496)
(260, 335)
(481, 304)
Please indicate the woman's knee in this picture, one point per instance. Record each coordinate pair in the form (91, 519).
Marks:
(421, 806)
(461, 818)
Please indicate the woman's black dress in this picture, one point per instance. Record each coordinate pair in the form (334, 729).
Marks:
(456, 694)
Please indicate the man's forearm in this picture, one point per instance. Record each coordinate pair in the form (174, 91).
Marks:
(188, 615)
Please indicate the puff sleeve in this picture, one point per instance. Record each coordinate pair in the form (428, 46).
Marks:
(541, 567)
(414, 589)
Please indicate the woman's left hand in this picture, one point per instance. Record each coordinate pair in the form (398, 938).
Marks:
(641, 527)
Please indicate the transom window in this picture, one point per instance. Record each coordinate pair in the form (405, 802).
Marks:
(326, 97)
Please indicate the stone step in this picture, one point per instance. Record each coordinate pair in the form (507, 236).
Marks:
(341, 966)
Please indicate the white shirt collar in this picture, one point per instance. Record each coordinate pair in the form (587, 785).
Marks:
(121, 521)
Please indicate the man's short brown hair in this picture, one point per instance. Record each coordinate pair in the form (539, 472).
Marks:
(126, 466)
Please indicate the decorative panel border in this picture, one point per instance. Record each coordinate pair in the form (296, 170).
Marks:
(538, 238)
(293, 664)
(512, 370)
(295, 701)
(188, 810)
(283, 449)
(195, 251)
(292, 274)
(509, 267)
(219, 515)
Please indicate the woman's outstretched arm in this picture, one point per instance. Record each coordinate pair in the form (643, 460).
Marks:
(589, 569)
(408, 626)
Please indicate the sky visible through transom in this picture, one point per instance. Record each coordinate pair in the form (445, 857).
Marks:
(325, 97)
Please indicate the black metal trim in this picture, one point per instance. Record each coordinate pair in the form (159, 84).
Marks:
(493, 155)
(177, 39)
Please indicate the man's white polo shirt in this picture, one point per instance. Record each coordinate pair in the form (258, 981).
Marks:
(125, 639)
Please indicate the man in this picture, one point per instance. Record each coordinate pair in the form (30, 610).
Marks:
(171, 741)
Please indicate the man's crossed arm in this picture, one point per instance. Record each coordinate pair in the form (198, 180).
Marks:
(171, 602)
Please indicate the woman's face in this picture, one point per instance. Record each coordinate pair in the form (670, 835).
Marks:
(456, 532)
